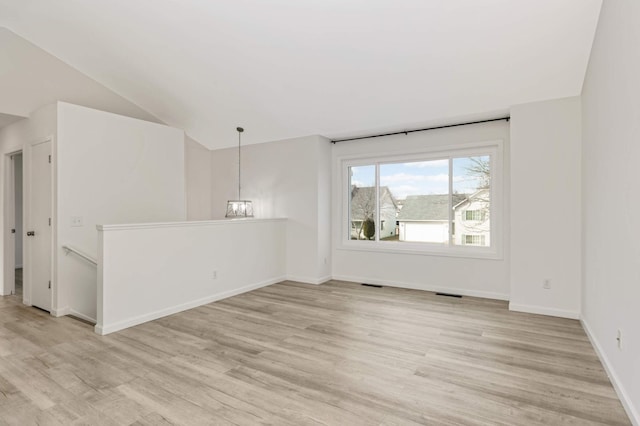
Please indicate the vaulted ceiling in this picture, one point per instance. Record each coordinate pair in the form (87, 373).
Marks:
(288, 68)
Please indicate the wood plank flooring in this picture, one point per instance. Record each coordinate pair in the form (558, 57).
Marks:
(294, 354)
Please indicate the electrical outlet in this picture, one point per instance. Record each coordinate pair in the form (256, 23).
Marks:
(546, 283)
(215, 275)
(619, 339)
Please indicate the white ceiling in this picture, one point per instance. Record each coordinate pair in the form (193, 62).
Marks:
(288, 68)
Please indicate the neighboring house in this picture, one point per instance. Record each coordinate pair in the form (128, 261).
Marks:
(472, 224)
(363, 206)
(425, 218)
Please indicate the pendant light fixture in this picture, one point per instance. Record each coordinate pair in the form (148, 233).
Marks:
(239, 207)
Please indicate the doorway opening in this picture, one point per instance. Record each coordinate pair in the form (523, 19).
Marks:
(18, 208)
(27, 263)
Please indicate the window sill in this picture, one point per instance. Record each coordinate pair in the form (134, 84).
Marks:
(421, 249)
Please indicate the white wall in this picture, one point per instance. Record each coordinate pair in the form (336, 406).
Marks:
(32, 81)
(15, 137)
(154, 270)
(468, 276)
(199, 184)
(324, 252)
(289, 179)
(110, 169)
(610, 202)
(11, 140)
(545, 207)
(17, 217)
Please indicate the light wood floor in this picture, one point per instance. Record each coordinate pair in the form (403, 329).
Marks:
(293, 354)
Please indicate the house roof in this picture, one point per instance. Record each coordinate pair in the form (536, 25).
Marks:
(468, 199)
(428, 207)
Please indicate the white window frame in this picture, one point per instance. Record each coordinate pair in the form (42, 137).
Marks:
(492, 148)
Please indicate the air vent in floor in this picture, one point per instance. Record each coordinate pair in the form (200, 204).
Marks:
(459, 296)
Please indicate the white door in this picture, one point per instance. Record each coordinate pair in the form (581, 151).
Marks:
(39, 228)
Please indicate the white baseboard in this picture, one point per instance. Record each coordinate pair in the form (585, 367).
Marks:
(82, 316)
(308, 280)
(60, 312)
(632, 411)
(541, 310)
(104, 329)
(69, 311)
(425, 287)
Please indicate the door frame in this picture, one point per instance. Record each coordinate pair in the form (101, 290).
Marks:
(27, 189)
(10, 222)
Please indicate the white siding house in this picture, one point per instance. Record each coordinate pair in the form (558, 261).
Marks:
(472, 224)
(425, 218)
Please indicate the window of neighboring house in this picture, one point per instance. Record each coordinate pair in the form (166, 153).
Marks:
(475, 240)
(477, 215)
(431, 197)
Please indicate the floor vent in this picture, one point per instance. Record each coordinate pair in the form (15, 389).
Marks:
(372, 285)
(459, 296)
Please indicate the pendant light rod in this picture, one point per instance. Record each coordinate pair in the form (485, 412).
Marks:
(239, 208)
(240, 130)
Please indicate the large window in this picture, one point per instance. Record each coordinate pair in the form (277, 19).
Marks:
(439, 201)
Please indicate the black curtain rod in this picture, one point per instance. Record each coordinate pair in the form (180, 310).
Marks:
(406, 132)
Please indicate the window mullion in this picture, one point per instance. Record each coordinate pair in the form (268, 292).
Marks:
(348, 174)
(377, 224)
(451, 215)
(492, 229)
